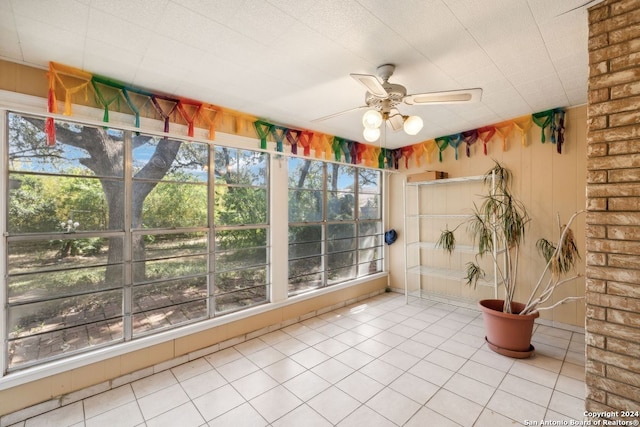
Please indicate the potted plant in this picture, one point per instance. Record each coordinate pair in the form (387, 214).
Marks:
(498, 227)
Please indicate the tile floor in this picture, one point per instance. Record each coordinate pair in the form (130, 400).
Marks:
(379, 362)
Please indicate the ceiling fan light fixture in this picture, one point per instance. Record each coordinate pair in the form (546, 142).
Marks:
(371, 134)
(372, 119)
(413, 125)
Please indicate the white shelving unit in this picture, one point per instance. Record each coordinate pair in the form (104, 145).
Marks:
(430, 207)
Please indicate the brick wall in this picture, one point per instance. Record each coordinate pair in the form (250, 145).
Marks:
(613, 203)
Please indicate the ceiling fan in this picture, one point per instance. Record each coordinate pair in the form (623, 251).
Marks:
(382, 98)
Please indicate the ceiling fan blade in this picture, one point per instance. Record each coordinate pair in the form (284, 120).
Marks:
(372, 84)
(395, 119)
(445, 97)
(330, 116)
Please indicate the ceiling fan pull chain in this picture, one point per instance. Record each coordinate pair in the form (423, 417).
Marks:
(470, 137)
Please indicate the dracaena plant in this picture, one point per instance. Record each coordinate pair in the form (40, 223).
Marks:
(498, 228)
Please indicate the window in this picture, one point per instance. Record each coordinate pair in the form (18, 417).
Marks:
(113, 235)
(335, 224)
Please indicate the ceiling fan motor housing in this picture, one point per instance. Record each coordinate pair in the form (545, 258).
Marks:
(395, 94)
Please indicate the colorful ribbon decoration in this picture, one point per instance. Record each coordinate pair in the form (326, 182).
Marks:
(189, 118)
(455, 141)
(210, 115)
(442, 143)
(293, 137)
(263, 129)
(278, 133)
(469, 137)
(485, 134)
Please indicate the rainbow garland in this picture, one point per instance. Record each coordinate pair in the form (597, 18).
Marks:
(110, 94)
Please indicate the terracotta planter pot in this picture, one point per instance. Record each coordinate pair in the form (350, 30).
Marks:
(508, 334)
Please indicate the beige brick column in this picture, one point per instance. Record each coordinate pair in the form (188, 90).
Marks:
(613, 203)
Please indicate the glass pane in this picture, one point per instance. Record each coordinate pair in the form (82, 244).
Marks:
(241, 299)
(370, 228)
(240, 205)
(48, 203)
(341, 245)
(341, 275)
(340, 206)
(306, 283)
(53, 284)
(370, 241)
(301, 250)
(369, 263)
(339, 260)
(169, 294)
(157, 158)
(369, 181)
(340, 177)
(242, 167)
(45, 316)
(245, 238)
(241, 258)
(167, 317)
(305, 233)
(75, 151)
(66, 252)
(302, 266)
(57, 343)
(305, 205)
(154, 246)
(171, 205)
(369, 205)
(338, 231)
(305, 174)
(170, 268)
(230, 281)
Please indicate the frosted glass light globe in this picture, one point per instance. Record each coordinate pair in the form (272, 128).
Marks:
(413, 125)
(371, 135)
(372, 119)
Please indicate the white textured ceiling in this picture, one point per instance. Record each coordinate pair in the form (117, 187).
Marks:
(288, 61)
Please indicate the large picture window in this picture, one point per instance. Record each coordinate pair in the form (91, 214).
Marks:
(112, 235)
(335, 223)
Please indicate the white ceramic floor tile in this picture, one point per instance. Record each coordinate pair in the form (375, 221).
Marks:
(427, 417)
(514, 407)
(567, 405)
(275, 403)
(414, 388)
(332, 370)
(215, 403)
(331, 347)
(334, 404)
(367, 330)
(303, 415)
(64, 416)
(254, 384)
(482, 373)
(544, 362)
(365, 416)
(471, 389)
(266, 357)
(290, 347)
(571, 386)
(251, 346)
(415, 348)
(185, 415)
(393, 406)
(575, 357)
(284, 370)
(399, 359)
(428, 338)
(309, 357)
(526, 389)
(161, 401)
(203, 383)
(430, 372)
(350, 338)
(360, 386)
(533, 373)
(312, 337)
(223, 357)
(306, 385)
(108, 400)
(123, 416)
(454, 407)
(275, 337)
(296, 329)
(191, 369)
(153, 383)
(468, 339)
(373, 348)
(493, 360)
(445, 359)
(381, 371)
(489, 418)
(354, 358)
(240, 416)
(237, 369)
(330, 330)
